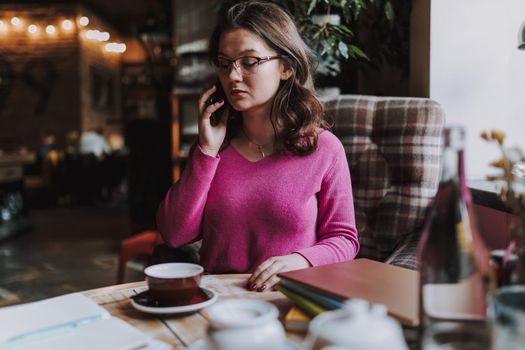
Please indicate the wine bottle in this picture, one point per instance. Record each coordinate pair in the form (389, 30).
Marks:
(453, 260)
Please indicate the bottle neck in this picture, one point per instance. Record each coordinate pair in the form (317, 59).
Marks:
(453, 169)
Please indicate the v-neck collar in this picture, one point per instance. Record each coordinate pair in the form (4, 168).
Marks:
(239, 154)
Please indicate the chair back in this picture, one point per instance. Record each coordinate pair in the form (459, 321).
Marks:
(393, 146)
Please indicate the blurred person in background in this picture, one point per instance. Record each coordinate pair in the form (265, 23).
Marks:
(94, 142)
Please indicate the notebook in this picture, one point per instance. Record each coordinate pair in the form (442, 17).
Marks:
(378, 283)
(71, 321)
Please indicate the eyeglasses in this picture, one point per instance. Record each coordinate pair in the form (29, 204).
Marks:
(245, 65)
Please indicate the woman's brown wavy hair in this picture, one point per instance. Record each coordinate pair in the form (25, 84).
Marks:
(296, 113)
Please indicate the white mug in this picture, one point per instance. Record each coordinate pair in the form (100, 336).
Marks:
(244, 324)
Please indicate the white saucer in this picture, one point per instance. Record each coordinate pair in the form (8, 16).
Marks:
(203, 345)
(177, 309)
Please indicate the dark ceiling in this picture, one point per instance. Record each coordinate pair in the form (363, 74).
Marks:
(134, 16)
(127, 16)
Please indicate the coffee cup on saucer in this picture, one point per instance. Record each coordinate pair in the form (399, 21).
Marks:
(173, 283)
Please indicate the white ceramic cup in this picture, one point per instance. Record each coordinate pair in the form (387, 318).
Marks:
(244, 324)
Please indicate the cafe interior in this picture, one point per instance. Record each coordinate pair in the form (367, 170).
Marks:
(98, 112)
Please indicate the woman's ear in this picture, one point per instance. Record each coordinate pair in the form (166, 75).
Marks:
(286, 71)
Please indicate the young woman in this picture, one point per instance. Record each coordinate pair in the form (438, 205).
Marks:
(267, 188)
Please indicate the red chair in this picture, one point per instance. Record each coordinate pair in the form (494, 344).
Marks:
(141, 244)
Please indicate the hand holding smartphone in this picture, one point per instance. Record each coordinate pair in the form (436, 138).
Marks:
(216, 97)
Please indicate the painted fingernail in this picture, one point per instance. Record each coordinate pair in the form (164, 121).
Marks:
(253, 286)
(262, 288)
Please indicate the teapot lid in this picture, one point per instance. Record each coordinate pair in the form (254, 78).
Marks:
(240, 313)
(359, 325)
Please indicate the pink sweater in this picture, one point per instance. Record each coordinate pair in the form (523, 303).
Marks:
(246, 212)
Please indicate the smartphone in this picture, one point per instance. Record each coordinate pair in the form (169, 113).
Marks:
(216, 97)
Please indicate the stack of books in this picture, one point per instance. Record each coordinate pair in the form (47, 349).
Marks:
(318, 289)
(309, 304)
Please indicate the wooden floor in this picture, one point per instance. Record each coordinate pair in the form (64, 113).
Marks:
(70, 249)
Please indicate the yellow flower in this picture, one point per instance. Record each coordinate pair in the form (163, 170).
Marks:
(498, 136)
(500, 163)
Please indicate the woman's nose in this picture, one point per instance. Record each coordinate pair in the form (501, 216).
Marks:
(235, 72)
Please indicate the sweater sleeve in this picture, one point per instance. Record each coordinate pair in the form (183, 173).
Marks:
(336, 229)
(180, 214)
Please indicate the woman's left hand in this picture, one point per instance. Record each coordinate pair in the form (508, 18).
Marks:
(265, 275)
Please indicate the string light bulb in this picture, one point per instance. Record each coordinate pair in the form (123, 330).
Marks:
(115, 47)
(97, 35)
(15, 21)
(67, 24)
(32, 29)
(50, 29)
(83, 21)
(3, 27)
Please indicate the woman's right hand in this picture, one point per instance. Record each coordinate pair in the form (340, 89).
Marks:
(211, 137)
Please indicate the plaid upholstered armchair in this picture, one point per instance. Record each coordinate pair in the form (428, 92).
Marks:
(393, 146)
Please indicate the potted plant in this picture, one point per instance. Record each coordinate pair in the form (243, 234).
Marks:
(331, 28)
(334, 29)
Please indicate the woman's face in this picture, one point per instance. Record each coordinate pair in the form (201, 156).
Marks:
(244, 88)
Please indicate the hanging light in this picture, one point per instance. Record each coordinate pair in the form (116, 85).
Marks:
(50, 29)
(3, 27)
(67, 24)
(83, 21)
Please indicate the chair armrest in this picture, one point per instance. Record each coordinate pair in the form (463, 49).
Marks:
(405, 255)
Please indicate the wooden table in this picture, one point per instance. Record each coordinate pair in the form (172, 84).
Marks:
(182, 331)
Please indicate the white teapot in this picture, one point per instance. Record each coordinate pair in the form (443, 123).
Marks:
(355, 326)
(242, 324)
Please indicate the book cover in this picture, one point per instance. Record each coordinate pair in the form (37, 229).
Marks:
(296, 320)
(379, 283)
(310, 307)
(324, 300)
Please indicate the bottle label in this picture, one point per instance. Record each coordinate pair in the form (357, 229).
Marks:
(455, 301)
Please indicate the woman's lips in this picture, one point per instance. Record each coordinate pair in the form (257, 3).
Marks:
(237, 93)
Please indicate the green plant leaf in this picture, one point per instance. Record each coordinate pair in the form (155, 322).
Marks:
(345, 29)
(389, 12)
(311, 7)
(343, 50)
(358, 52)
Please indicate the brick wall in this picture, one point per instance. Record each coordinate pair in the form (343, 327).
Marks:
(43, 94)
(51, 77)
(103, 67)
